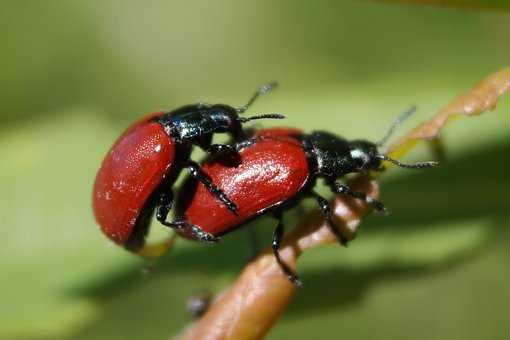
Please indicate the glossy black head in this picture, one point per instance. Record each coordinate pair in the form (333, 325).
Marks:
(223, 118)
(226, 118)
(364, 156)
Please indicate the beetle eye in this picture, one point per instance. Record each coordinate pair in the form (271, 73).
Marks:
(359, 158)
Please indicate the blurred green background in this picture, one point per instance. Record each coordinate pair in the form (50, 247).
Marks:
(75, 74)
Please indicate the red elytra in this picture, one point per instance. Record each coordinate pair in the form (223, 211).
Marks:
(272, 171)
(131, 171)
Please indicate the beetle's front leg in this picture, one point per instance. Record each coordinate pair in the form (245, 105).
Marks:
(340, 188)
(197, 173)
(218, 151)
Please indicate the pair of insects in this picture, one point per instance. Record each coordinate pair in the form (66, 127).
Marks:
(265, 172)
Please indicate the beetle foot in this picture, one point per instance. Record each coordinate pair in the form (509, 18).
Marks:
(203, 236)
(190, 230)
(378, 206)
(294, 279)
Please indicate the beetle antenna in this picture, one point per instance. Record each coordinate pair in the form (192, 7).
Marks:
(396, 123)
(418, 165)
(266, 88)
(262, 116)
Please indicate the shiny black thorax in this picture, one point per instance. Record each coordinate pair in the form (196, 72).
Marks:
(197, 123)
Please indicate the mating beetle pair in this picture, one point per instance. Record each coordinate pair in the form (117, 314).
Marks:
(138, 172)
(273, 170)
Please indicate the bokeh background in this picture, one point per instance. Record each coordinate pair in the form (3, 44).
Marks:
(75, 74)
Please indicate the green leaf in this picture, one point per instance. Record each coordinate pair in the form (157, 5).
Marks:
(502, 5)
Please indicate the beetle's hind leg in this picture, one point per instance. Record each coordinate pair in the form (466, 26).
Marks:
(197, 173)
(277, 238)
(164, 205)
(184, 227)
(192, 231)
(326, 212)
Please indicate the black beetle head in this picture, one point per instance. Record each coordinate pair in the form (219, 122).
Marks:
(224, 115)
(364, 155)
(226, 118)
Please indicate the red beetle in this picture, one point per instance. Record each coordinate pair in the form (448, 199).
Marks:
(279, 167)
(137, 174)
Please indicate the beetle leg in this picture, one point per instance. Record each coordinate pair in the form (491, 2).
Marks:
(244, 143)
(227, 151)
(218, 151)
(230, 153)
(197, 233)
(326, 212)
(339, 188)
(191, 230)
(164, 206)
(277, 237)
(197, 173)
